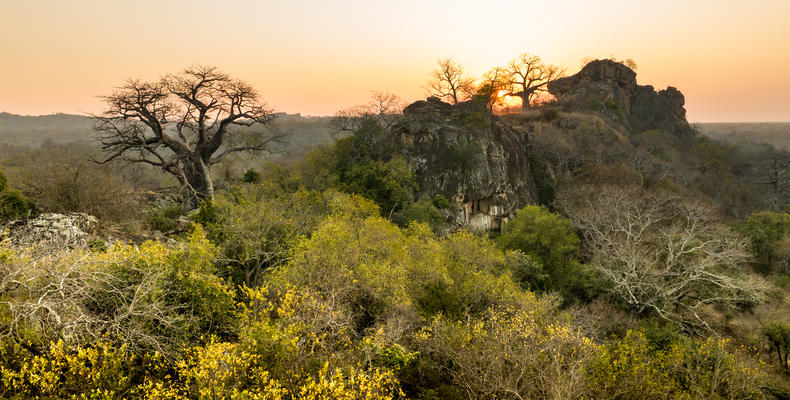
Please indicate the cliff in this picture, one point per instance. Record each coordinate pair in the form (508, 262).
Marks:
(611, 87)
(470, 157)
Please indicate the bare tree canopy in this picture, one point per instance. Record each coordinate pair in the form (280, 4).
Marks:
(371, 123)
(449, 81)
(529, 76)
(183, 124)
(662, 253)
(384, 108)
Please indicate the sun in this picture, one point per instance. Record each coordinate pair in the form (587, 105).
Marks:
(507, 100)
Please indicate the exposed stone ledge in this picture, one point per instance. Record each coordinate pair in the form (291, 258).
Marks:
(67, 230)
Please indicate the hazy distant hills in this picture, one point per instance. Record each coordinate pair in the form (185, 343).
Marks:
(33, 131)
(307, 132)
(776, 134)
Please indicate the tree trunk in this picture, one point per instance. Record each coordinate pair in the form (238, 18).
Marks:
(198, 185)
(525, 99)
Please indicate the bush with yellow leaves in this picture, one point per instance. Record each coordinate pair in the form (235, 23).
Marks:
(710, 368)
(97, 371)
(508, 354)
(150, 298)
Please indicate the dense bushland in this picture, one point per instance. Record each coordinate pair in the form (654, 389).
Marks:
(643, 275)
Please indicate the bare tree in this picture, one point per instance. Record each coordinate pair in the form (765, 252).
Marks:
(184, 124)
(384, 108)
(662, 253)
(494, 84)
(449, 81)
(529, 76)
(773, 175)
(371, 123)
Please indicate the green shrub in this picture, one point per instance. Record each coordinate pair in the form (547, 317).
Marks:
(464, 156)
(390, 184)
(550, 114)
(97, 246)
(165, 218)
(14, 205)
(251, 176)
(422, 211)
(257, 226)
(546, 186)
(778, 335)
(476, 120)
(441, 202)
(769, 233)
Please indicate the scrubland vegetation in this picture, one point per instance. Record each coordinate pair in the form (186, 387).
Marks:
(652, 267)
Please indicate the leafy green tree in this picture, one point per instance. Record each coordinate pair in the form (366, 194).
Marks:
(778, 334)
(258, 226)
(391, 184)
(13, 204)
(768, 232)
(548, 239)
(421, 211)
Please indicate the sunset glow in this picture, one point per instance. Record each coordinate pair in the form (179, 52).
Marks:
(729, 58)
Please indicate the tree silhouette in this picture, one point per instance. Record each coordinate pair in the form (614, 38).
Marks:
(529, 76)
(183, 124)
(449, 81)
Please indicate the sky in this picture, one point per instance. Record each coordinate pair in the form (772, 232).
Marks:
(731, 59)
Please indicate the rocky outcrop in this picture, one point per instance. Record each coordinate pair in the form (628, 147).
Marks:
(611, 87)
(663, 110)
(597, 82)
(468, 156)
(61, 230)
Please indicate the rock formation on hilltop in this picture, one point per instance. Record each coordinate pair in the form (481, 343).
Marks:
(484, 164)
(611, 86)
(472, 158)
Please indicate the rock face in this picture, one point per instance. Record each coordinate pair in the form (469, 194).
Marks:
(610, 86)
(67, 230)
(473, 159)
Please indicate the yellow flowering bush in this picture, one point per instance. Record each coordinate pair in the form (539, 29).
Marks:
(508, 354)
(354, 385)
(690, 369)
(98, 371)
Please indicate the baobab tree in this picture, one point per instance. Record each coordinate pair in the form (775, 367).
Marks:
(185, 123)
(529, 76)
(450, 81)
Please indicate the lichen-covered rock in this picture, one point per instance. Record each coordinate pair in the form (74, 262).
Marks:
(66, 230)
(611, 87)
(472, 158)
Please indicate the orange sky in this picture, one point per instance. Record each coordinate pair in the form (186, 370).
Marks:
(730, 58)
